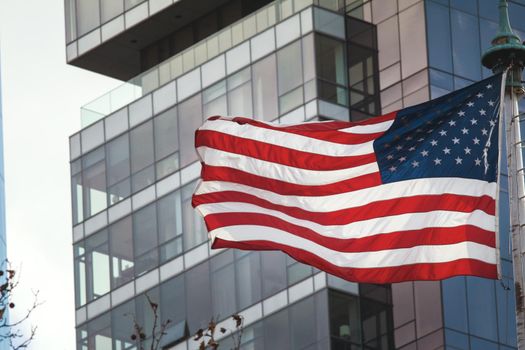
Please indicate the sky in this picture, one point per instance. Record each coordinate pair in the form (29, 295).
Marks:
(41, 100)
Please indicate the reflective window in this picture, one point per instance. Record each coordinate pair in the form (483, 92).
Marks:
(464, 49)
(248, 281)
(193, 227)
(110, 9)
(289, 67)
(190, 118)
(145, 239)
(121, 248)
(132, 3)
(439, 38)
(331, 69)
(173, 308)
(142, 156)
(302, 322)
(240, 94)
(481, 303)
(273, 264)
(97, 265)
(118, 169)
(122, 321)
(214, 100)
(455, 303)
(345, 325)
(80, 274)
(90, 16)
(198, 294)
(169, 213)
(264, 81)
(223, 282)
(99, 333)
(276, 335)
(166, 143)
(94, 182)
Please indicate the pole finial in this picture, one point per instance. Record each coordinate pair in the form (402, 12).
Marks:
(507, 49)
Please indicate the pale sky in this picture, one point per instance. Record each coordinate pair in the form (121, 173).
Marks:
(41, 101)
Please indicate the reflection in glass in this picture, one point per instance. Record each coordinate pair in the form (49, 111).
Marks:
(121, 248)
(289, 67)
(264, 82)
(190, 118)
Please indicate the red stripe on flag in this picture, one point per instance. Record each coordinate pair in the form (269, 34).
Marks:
(375, 242)
(396, 206)
(413, 272)
(216, 173)
(278, 154)
(329, 132)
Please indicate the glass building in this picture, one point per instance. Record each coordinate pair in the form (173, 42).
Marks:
(134, 168)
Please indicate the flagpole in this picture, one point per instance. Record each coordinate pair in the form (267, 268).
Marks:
(507, 54)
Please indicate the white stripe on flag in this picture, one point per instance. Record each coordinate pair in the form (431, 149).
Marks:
(280, 172)
(383, 258)
(408, 188)
(364, 228)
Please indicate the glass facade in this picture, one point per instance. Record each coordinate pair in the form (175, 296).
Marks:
(134, 169)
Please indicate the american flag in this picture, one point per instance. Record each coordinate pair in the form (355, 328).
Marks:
(410, 195)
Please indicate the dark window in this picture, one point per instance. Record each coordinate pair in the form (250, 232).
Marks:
(121, 248)
(145, 239)
(276, 335)
(198, 294)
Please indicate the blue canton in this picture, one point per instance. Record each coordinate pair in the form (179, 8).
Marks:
(455, 135)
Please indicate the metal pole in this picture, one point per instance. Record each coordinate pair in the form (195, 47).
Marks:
(507, 53)
(517, 205)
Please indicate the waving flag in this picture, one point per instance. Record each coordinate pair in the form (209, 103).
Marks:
(405, 196)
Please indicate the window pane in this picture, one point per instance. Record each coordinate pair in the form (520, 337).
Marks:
(192, 223)
(240, 100)
(121, 247)
(264, 81)
(169, 216)
(223, 282)
(80, 275)
(302, 321)
(122, 321)
(89, 16)
(190, 118)
(455, 303)
(482, 307)
(344, 316)
(144, 313)
(289, 67)
(76, 198)
(117, 153)
(330, 60)
(110, 9)
(97, 258)
(143, 178)
(439, 45)
(273, 272)
(94, 186)
(173, 308)
(166, 134)
(132, 3)
(464, 49)
(145, 238)
(198, 293)
(99, 333)
(276, 331)
(141, 140)
(248, 269)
